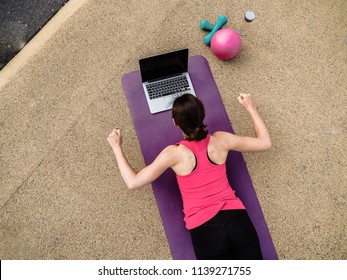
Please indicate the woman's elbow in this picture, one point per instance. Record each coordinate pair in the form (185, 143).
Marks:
(133, 186)
(267, 144)
(130, 184)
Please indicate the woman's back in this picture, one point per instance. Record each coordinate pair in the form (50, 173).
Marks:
(215, 151)
(205, 189)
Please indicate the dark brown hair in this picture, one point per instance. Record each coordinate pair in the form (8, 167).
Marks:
(189, 113)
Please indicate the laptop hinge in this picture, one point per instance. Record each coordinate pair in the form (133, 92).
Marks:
(166, 77)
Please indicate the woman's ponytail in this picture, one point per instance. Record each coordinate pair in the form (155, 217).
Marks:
(199, 133)
(189, 113)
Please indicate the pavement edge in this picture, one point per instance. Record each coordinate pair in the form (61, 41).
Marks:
(39, 40)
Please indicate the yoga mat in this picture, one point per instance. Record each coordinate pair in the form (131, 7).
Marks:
(157, 131)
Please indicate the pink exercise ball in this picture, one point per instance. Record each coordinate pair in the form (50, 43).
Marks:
(226, 43)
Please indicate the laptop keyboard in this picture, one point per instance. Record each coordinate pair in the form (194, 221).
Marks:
(167, 87)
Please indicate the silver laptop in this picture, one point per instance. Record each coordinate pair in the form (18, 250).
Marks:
(164, 78)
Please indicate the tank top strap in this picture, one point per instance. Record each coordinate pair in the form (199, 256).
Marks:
(197, 147)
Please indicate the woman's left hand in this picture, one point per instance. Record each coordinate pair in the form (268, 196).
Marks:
(115, 138)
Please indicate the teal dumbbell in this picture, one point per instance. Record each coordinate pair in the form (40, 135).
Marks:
(205, 25)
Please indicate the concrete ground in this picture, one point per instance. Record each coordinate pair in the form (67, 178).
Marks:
(20, 20)
(62, 196)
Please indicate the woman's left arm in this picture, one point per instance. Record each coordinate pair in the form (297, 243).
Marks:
(167, 158)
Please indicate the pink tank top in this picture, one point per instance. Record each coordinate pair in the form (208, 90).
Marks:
(206, 190)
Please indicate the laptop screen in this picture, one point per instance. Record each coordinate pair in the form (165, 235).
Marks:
(164, 65)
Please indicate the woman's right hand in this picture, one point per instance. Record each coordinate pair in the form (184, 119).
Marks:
(246, 100)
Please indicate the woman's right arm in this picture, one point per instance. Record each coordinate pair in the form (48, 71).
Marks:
(261, 142)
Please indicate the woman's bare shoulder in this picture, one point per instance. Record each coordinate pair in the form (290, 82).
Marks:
(221, 138)
(221, 135)
(171, 149)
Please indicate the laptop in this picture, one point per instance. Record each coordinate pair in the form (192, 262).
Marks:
(164, 78)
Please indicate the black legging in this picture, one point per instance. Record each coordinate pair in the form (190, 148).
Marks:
(230, 235)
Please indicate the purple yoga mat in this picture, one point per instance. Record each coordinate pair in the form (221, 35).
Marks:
(157, 131)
